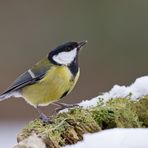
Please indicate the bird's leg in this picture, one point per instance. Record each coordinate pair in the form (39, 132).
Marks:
(63, 106)
(43, 117)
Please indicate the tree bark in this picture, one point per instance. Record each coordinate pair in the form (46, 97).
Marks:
(69, 127)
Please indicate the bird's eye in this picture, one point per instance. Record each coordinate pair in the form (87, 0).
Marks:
(68, 49)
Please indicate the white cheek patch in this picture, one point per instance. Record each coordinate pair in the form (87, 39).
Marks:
(65, 58)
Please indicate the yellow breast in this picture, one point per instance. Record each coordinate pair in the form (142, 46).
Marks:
(56, 82)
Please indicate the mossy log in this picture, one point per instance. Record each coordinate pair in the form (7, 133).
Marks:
(69, 127)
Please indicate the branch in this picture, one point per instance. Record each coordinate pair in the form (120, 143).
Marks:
(69, 127)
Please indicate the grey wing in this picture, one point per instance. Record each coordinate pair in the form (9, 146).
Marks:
(23, 80)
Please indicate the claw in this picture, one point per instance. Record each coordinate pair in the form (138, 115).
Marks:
(64, 106)
(45, 119)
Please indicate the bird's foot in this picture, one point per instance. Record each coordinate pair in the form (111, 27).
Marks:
(45, 119)
(64, 106)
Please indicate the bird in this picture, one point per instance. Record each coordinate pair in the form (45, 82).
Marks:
(49, 80)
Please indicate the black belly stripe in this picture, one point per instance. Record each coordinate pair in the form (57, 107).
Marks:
(65, 93)
(73, 67)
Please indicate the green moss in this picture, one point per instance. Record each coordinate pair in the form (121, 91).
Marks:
(105, 117)
(125, 113)
(141, 108)
(69, 127)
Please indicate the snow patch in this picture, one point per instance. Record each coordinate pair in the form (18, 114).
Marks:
(135, 91)
(115, 138)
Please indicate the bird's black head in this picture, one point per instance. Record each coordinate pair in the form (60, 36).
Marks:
(66, 53)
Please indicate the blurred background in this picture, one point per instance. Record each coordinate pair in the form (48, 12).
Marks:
(116, 53)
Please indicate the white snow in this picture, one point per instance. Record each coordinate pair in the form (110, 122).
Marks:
(138, 89)
(115, 138)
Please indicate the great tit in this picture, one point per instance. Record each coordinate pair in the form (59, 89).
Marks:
(50, 79)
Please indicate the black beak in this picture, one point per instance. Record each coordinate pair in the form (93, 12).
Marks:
(81, 44)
